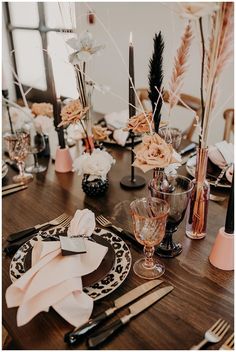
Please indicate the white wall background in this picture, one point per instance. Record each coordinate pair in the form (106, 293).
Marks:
(144, 20)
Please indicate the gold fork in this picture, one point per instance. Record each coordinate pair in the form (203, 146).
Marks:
(65, 223)
(229, 343)
(214, 334)
(27, 232)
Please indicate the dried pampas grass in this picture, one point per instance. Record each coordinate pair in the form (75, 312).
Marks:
(219, 54)
(180, 67)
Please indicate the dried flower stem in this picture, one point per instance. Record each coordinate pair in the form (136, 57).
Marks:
(180, 67)
(202, 73)
(200, 204)
(87, 137)
(218, 54)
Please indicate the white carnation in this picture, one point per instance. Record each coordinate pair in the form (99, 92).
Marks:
(97, 165)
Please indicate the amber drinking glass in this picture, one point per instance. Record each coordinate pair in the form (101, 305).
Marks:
(18, 145)
(171, 135)
(175, 190)
(149, 222)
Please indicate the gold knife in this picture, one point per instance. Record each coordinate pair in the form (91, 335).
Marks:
(76, 335)
(13, 190)
(134, 310)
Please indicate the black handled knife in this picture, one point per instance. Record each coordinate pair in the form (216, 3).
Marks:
(75, 336)
(134, 310)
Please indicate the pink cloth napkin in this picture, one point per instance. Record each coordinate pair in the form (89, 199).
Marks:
(83, 223)
(55, 280)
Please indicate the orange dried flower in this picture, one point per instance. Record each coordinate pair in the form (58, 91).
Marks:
(73, 112)
(100, 133)
(140, 123)
(153, 152)
(45, 109)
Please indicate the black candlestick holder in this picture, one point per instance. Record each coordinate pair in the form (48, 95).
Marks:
(133, 181)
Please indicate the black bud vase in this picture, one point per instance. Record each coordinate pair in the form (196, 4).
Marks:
(94, 188)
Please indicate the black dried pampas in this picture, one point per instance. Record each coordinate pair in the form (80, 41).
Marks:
(156, 78)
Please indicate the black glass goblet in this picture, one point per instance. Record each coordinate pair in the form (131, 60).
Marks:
(176, 190)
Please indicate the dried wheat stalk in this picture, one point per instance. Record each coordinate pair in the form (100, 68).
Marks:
(180, 66)
(219, 53)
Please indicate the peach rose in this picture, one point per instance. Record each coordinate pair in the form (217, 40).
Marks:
(72, 113)
(100, 133)
(45, 109)
(141, 123)
(153, 152)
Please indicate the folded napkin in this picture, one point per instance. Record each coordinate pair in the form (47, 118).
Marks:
(75, 132)
(117, 120)
(55, 280)
(120, 136)
(83, 223)
(229, 173)
(221, 154)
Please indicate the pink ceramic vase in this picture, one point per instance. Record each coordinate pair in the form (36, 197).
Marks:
(63, 160)
(222, 254)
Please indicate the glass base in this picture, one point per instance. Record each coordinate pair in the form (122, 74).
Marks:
(165, 252)
(145, 272)
(25, 178)
(36, 169)
(194, 235)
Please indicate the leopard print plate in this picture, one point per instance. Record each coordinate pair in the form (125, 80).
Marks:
(100, 289)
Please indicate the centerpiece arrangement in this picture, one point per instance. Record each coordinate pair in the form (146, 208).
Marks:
(85, 48)
(216, 53)
(154, 152)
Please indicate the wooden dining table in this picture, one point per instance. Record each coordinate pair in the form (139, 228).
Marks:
(202, 293)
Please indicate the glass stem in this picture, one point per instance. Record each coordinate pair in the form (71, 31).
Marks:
(36, 163)
(21, 166)
(148, 252)
(167, 241)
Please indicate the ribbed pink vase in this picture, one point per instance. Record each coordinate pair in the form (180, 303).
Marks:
(63, 160)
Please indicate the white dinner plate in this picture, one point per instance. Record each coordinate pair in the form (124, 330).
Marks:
(4, 169)
(101, 288)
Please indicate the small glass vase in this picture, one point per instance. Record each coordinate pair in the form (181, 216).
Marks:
(198, 205)
(95, 187)
(88, 141)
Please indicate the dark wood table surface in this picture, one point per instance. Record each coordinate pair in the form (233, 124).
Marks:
(202, 293)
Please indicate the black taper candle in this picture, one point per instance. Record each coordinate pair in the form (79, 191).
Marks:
(132, 181)
(60, 130)
(229, 222)
(56, 106)
(132, 109)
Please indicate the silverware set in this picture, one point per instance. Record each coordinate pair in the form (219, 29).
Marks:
(104, 222)
(215, 334)
(95, 339)
(95, 336)
(16, 240)
(21, 234)
(228, 344)
(15, 187)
